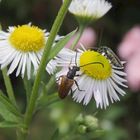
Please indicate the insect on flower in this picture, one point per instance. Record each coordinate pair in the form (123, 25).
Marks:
(110, 55)
(66, 81)
(103, 82)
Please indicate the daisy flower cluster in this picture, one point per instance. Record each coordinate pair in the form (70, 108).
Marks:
(98, 77)
(21, 49)
(27, 50)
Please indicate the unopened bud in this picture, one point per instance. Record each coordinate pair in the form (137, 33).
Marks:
(82, 129)
(80, 119)
(91, 122)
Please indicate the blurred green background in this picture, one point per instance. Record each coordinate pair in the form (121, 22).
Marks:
(121, 120)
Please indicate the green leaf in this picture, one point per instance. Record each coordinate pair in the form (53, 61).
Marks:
(7, 115)
(55, 135)
(6, 124)
(7, 110)
(59, 45)
(12, 108)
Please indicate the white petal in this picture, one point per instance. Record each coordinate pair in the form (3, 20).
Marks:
(104, 93)
(112, 93)
(8, 58)
(51, 67)
(28, 68)
(119, 90)
(33, 60)
(120, 73)
(79, 95)
(14, 63)
(89, 91)
(98, 98)
(19, 66)
(24, 64)
(39, 54)
(97, 95)
(3, 35)
(118, 78)
(119, 82)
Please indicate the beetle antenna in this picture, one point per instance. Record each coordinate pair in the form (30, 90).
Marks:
(93, 63)
(76, 58)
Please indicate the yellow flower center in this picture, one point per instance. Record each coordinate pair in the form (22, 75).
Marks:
(95, 65)
(27, 38)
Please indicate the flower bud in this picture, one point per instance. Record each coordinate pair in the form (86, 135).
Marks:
(82, 129)
(91, 122)
(80, 119)
(89, 10)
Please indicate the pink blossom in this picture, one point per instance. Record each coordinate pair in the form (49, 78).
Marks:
(88, 39)
(130, 44)
(129, 50)
(133, 72)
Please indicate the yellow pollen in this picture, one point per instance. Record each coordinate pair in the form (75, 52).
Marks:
(27, 38)
(100, 70)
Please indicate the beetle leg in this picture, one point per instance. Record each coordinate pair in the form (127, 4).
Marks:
(76, 58)
(78, 86)
(71, 91)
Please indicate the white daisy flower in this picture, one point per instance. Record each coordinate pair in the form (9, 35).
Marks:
(22, 47)
(97, 78)
(89, 9)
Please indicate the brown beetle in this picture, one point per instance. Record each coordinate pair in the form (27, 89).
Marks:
(66, 81)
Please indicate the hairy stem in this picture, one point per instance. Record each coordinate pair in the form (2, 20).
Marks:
(27, 86)
(34, 94)
(9, 87)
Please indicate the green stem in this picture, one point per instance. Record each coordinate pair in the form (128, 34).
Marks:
(27, 86)
(21, 135)
(79, 34)
(9, 87)
(50, 84)
(34, 95)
